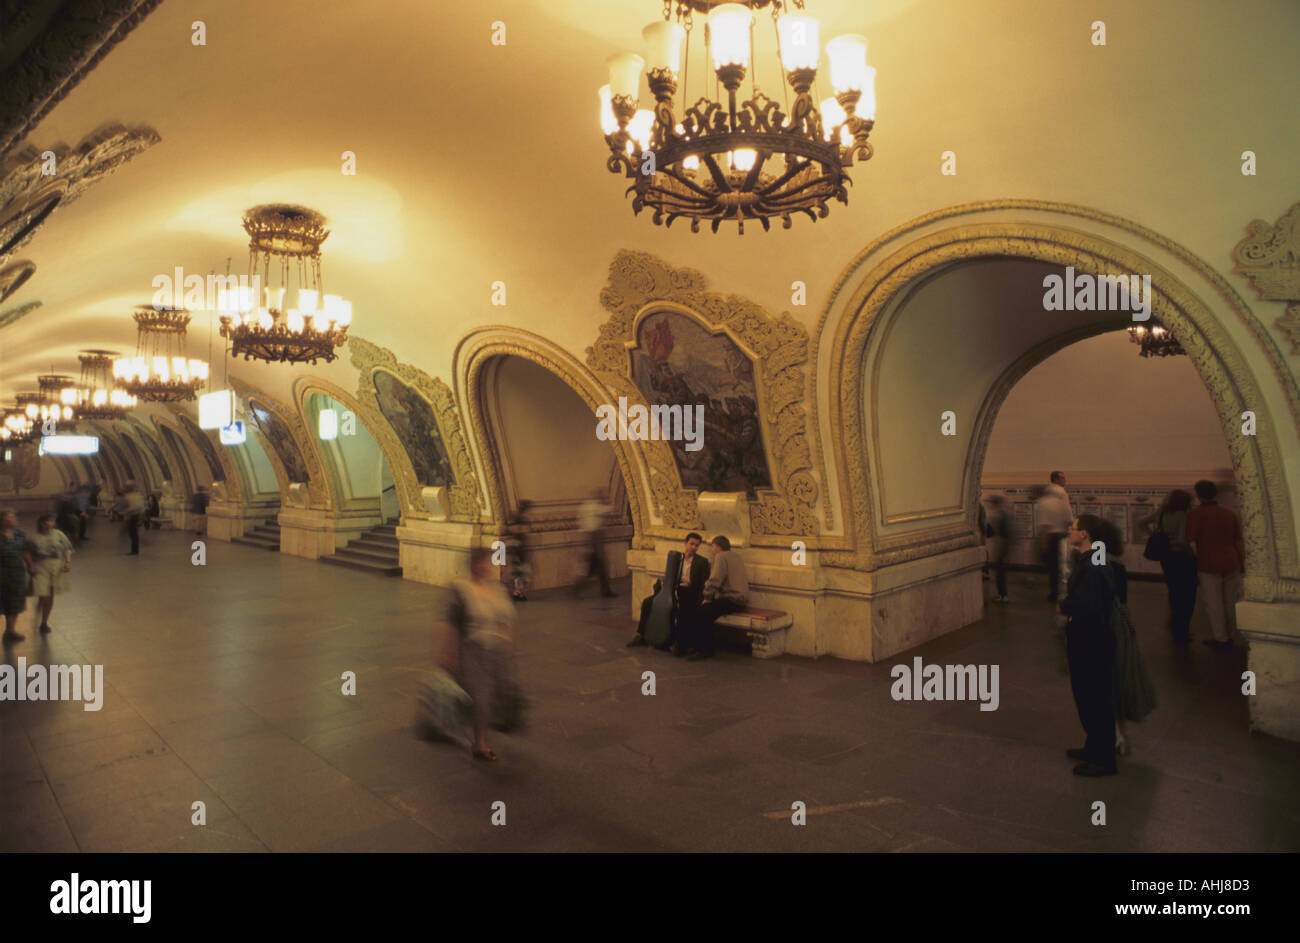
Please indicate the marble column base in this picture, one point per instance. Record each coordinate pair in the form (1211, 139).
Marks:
(230, 519)
(559, 557)
(1273, 631)
(436, 551)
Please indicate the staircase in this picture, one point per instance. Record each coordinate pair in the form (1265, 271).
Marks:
(375, 551)
(265, 536)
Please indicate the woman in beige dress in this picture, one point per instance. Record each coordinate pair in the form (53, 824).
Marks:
(52, 554)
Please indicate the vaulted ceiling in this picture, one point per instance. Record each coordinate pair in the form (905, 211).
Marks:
(478, 163)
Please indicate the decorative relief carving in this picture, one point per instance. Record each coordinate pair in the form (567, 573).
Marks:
(292, 455)
(637, 282)
(13, 277)
(1270, 257)
(463, 493)
(60, 44)
(27, 197)
(13, 314)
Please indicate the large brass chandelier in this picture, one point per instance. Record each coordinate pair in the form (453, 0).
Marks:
(95, 396)
(15, 427)
(254, 317)
(724, 159)
(160, 371)
(47, 404)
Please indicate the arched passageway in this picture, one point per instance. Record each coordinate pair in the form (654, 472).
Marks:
(540, 444)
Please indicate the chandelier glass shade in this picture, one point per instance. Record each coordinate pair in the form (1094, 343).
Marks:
(1155, 340)
(160, 371)
(95, 396)
(722, 158)
(254, 316)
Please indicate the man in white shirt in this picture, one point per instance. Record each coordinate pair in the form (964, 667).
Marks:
(1055, 515)
(591, 521)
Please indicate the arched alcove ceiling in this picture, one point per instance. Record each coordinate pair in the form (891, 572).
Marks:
(1195, 304)
(431, 219)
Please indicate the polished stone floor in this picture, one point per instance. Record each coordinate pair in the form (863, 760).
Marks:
(223, 686)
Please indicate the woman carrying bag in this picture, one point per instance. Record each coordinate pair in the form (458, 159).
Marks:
(1168, 544)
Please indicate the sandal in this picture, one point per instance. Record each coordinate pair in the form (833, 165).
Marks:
(485, 755)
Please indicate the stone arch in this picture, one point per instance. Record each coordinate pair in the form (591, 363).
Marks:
(475, 354)
(371, 419)
(1202, 311)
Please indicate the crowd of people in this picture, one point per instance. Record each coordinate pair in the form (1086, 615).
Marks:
(1198, 548)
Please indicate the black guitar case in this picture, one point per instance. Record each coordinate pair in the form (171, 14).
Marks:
(659, 626)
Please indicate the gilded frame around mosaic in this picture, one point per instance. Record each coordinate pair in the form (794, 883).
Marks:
(319, 495)
(640, 284)
(463, 494)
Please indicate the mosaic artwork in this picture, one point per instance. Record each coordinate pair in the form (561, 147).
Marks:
(152, 445)
(275, 431)
(205, 446)
(677, 362)
(412, 419)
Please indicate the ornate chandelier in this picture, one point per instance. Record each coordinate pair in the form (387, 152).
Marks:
(1155, 341)
(731, 160)
(95, 396)
(253, 317)
(50, 404)
(160, 371)
(46, 405)
(15, 427)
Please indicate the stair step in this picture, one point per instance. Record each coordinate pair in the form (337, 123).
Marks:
(387, 530)
(253, 540)
(379, 540)
(338, 559)
(265, 531)
(381, 554)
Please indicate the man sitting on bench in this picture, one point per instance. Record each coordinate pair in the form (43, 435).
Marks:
(726, 591)
(690, 591)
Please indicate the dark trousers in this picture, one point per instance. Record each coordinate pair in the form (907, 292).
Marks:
(703, 635)
(1052, 560)
(133, 531)
(82, 519)
(686, 609)
(1091, 653)
(1180, 580)
(1001, 550)
(596, 566)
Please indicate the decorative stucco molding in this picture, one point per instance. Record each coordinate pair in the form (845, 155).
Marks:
(1270, 257)
(28, 196)
(464, 492)
(320, 495)
(641, 284)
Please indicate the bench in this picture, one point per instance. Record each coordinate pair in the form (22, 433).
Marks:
(762, 629)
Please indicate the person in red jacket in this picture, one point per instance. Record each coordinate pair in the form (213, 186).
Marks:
(1216, 532)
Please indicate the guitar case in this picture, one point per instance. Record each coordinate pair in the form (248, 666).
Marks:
(663, 610)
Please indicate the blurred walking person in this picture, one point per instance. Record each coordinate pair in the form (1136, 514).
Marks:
(51, 551)
(479, 643)
(1000, 544)
(1054, 516)
(1216, 532)
(591, 521)
(15, 567)
(133, 508)
(199, 510)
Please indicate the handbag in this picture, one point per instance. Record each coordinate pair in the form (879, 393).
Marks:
(1157, 547)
